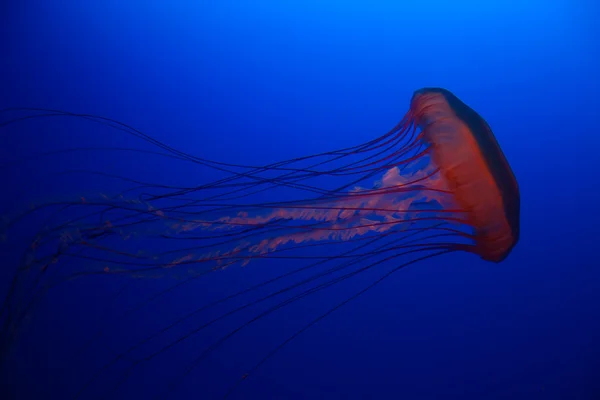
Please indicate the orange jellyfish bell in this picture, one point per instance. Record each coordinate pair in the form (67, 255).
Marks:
(474, 167)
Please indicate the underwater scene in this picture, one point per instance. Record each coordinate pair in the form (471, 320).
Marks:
(299, 200)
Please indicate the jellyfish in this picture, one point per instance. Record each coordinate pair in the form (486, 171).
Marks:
(438, 182)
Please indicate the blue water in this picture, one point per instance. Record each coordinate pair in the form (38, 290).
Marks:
(263, 81)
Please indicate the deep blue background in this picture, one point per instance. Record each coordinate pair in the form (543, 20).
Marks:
(259, 81)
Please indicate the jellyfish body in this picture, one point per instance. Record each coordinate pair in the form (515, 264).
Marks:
(475, 168)
(437, 182)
